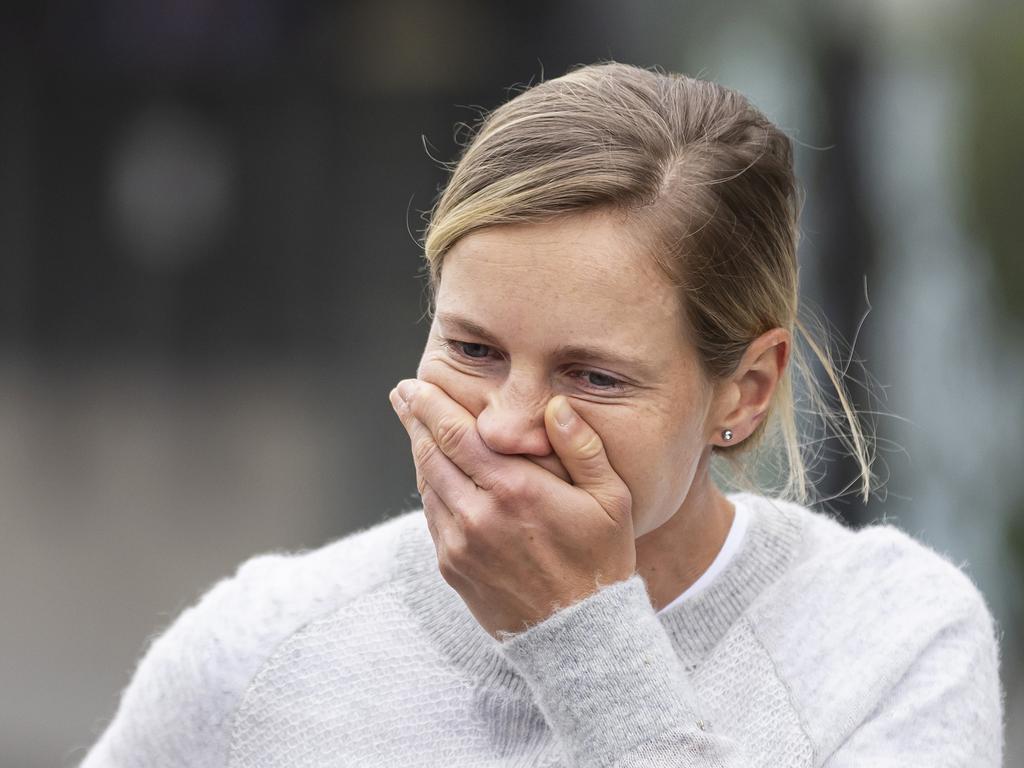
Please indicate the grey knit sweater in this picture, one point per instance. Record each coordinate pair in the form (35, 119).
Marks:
(815, 646)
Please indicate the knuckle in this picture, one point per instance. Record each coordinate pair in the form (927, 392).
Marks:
(511, 486)
(447, 569)
(472, 529)
(429, 498)
(477, 525)
(457, 555)
(423, 450)
(622, 503)
(591, 447)
(488, 478)
(450, 434)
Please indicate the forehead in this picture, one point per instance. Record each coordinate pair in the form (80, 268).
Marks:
(585, 276)
(592, 258)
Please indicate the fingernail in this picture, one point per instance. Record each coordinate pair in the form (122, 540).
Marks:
(563, 413)
(406, 388)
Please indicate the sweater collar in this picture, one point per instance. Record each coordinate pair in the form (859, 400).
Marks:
(695, 626)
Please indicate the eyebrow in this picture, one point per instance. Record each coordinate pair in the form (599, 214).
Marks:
(575, 351)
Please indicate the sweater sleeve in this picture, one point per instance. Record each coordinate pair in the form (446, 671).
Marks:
(946, 711)
(611, 687)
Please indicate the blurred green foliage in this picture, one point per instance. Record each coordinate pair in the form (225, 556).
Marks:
(993, 196)
(993, 193)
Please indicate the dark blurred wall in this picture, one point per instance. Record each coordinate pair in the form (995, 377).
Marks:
(190, 184)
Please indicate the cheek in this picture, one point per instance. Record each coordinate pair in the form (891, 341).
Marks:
(468, 391)
(656, 461)
(634, 442)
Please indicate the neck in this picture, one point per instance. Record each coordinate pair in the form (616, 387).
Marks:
(673, 556)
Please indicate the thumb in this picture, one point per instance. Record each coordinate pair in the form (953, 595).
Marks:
(582, 453)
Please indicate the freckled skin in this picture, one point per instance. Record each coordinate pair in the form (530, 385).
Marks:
(585, 280)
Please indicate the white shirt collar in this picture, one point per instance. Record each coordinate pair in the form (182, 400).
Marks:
(725, 554)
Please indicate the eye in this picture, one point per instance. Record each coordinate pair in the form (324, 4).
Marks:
(468, 349)
(598, 381)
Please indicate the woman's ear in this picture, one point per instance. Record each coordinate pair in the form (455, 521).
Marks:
(744, 398)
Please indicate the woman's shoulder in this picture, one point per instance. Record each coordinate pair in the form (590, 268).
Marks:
(878, 571)
(191, 678)
(872, 615)
(819, 558)
(880, 565)
(311, 580)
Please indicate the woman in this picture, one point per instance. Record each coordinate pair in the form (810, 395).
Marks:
(615, 302)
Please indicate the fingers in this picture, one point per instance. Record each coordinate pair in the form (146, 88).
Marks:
(452, 427)
(441, 523)
(433, 467)
(448, 538)
(582, 452)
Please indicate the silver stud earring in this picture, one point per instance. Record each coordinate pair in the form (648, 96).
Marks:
(727, 434)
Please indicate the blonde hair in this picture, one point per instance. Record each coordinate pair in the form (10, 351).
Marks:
(709, 178)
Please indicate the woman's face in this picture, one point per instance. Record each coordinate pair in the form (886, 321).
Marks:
(575, 307)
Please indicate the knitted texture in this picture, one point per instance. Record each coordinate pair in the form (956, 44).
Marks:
(815, 646)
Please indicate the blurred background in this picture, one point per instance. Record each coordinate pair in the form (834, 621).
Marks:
(209, 281)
